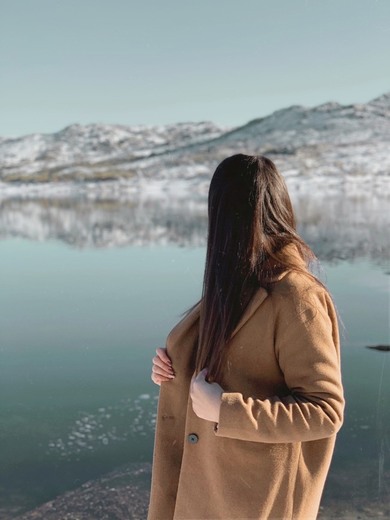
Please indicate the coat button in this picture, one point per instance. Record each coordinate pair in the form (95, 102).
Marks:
(192, 438)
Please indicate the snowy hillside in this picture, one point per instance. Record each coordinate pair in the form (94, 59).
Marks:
(112, 185)
(85, 146)
(331, 140)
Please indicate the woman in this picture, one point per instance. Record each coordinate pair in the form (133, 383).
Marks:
(251, 396)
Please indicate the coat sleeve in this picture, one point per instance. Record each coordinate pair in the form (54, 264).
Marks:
(308, 352)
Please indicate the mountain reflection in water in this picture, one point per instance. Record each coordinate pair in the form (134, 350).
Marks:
(338, 223)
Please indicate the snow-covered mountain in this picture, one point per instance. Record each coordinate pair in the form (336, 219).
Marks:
(40, 157)
(112, 185)
(331, 140)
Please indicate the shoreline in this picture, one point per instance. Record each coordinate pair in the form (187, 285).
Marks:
(123, 494)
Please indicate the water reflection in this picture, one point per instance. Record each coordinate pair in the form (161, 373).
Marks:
(77, 396)
(338, 224)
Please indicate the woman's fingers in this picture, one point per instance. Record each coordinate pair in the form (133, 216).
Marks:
(161, 364)
(159, 379)
(162, 354)
(162, 371)
(163, 361)
(162, 367)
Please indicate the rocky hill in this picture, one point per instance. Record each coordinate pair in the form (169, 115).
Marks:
(329, 140)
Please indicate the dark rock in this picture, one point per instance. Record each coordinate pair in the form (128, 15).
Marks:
(122, 494)
(382, 348)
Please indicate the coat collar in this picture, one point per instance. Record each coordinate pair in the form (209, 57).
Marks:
(257, 299)
(289, 250)
(189, 320)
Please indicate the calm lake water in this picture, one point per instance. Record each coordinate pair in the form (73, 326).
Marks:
(79, 329)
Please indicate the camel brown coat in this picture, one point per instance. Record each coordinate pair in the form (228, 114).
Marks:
(269, 455)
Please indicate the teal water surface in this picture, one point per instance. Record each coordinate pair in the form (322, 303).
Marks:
(79, 329)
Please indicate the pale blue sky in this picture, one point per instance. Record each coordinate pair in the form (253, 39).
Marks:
(159, 62)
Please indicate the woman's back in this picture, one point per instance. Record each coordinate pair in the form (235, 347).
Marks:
(267, 451)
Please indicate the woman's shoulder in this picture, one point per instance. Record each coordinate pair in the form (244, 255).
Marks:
(294, 281)
(299, 291)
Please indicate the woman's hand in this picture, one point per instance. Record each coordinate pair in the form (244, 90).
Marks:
(206, 397)
(162, 367)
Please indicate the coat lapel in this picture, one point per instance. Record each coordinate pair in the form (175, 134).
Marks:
(260, 295)
(188, 321)
(183, 326)
(257, 299)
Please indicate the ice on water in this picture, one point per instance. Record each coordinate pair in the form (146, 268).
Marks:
(128, 419)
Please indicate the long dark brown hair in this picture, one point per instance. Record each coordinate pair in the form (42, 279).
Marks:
(251, 219)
